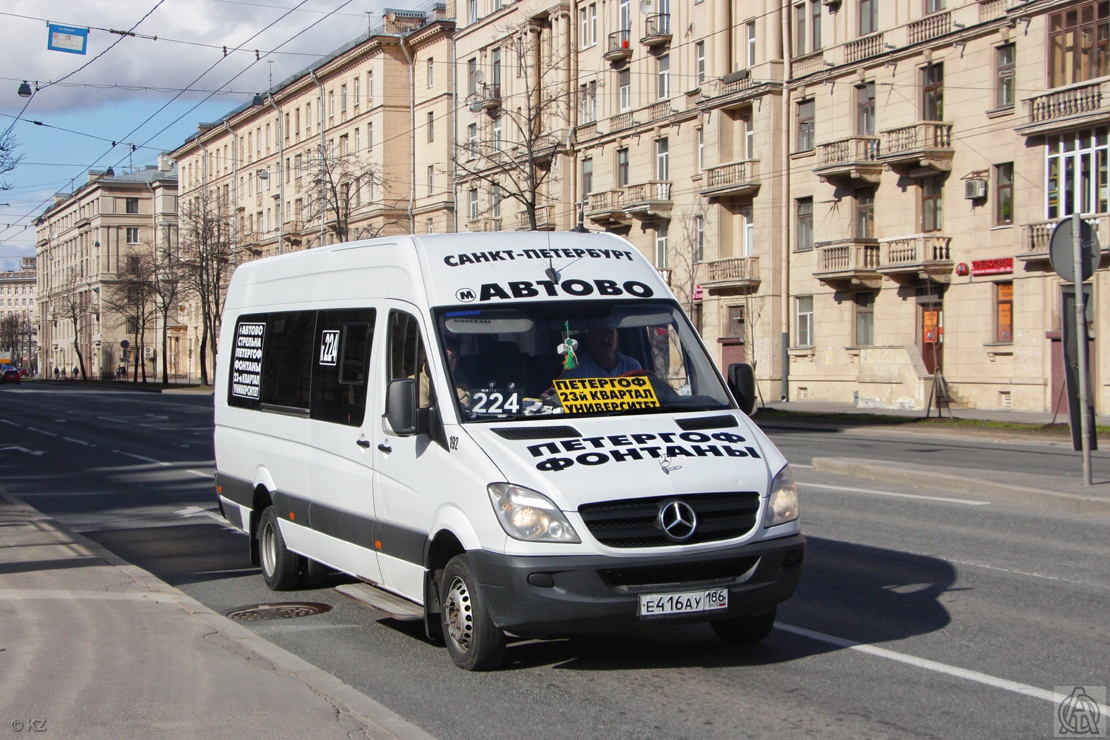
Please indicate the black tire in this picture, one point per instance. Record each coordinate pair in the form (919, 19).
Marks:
(315, 574)
(745, 630)
(281, 569)
(473, 640)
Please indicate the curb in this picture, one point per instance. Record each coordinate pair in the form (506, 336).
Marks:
(377, 720)
(969, 485)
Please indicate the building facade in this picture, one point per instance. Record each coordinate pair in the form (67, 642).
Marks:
(855, 196)
(18, 325)
(85, 243)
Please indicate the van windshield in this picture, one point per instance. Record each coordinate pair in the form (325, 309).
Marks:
(580, 358)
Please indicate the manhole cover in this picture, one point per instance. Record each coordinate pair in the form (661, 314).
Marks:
(284, 610)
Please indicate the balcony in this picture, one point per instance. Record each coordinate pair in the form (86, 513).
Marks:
(991, 9)
(657, 30)
(655, 111)
(930, 27)
(487, 224)
(910, 259)
(808, 64)
(621, 121)
(605, 208)
(848, 263)
(651, 199)
(1083, 104)
(1035, 237)
(919, 150)
(620, 47)
(732, 276)
(545, 219)
(855, 159)
(862, 48)
(737, 179)
(491, 98)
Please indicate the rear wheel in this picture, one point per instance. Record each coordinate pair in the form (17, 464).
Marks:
(745, 630)
(281, 569)
(473, 640)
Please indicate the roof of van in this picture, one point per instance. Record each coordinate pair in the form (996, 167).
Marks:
(467, 268)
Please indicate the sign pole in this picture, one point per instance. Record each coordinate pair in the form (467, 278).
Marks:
(1081, 340)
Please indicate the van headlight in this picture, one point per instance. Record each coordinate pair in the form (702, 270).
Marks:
(530, 516)
(782, 504)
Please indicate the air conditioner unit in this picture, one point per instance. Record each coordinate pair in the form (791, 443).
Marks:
(975, 188)
(148, 353)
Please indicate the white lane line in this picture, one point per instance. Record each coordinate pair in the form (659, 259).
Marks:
(42, 431)
(150, 460)
(5, 421)
(873, 492)
(199, 474)
(1020, 572)
(929, 665)
(78, 441)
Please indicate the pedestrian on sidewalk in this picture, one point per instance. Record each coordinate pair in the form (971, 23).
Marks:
(55, 373)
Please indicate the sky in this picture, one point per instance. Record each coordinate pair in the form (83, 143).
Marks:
(129, 98)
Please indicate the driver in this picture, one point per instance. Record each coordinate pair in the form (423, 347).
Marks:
(603, 360)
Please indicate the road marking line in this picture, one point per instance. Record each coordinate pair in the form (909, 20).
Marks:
(966, 502)
(9, 422)
(42, 431)
(200, 474)
(1020, 572)
(140, 457)
(929, 665)
(78, 441)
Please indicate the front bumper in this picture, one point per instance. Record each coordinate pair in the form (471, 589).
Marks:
(549, 596)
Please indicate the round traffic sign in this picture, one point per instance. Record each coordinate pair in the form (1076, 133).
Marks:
(1061, 250)
(124, 343)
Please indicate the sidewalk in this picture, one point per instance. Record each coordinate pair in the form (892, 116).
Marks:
(1061, 493)
(94, 647)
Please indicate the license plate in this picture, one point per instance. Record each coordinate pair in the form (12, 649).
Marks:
(660, 605)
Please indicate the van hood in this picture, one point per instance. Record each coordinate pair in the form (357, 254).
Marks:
(575, 461)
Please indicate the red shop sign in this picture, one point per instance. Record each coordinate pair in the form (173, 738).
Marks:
(992, 267)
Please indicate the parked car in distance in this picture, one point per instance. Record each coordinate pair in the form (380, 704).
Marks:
(10, 375)
(24, 372)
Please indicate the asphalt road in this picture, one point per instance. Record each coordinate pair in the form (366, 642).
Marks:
(918, 614)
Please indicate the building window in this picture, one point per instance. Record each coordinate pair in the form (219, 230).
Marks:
(750, 32)
(699, 243)
(622, 167)
(868, 16)
(472, 141)
(431, 74)
(588, 95)
(356, 98)
(472, 11)
(132, 235)
(472, 76)
(624, 86)
(932, 204)
(699, 61)
(805, 125)
(804, 228)
(587, 176)
(749, 136)
(1076, 173)
(807, 27)
(342, 104)
(473, 203)
(747, 247)
(865, 109)
(1004, 312)
(369, 136)
(700, 159)
(131, 205)
(934, 6)
(663, 88)
(497, 197)
(587, 17)
(1079, 43)
(369, 87)
(1004, 63)
(498, 134)
(865, 213)
(661, 245)
(495, 67)
(804, 323)
(625, 15)
(1004, 194)
(932, 93)
(735, 327)
(431, 179)
(865, 319)
(662, 160)
(431, 127)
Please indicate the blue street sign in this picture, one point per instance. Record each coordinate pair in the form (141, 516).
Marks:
(69, 39)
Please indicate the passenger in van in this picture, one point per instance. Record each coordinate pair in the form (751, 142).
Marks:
(453, 348)
(603, 360)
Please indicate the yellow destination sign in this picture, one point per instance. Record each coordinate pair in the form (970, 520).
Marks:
(590, 395)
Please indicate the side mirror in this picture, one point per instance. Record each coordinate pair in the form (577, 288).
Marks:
(400, 406)
(741, 381)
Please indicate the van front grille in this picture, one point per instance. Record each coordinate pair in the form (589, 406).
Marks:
(635, 522)
(680, 574)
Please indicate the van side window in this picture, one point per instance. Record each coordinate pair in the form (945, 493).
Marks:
(342, 359)
(287, 359)
(407, 358)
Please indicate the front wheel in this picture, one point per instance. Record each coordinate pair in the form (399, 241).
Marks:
(745, 630)
(473, 640)
(281, 569)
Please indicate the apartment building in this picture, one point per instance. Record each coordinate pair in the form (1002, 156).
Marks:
(18, 326)
(84, 242)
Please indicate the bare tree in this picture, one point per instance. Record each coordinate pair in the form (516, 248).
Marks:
(11, 335)
(207, 260)
(130, 297)
(167, 288)
(72, 304)
(9, 160)
(511, 144)
(343, 188)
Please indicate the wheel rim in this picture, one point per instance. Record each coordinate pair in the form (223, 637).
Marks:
(268, 548)
(459, 613)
